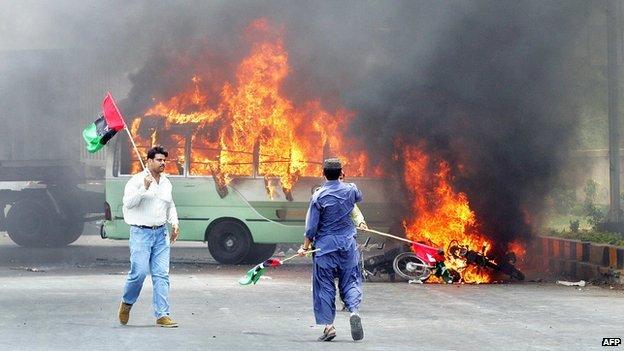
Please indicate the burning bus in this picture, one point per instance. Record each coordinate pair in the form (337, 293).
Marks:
(243, 158)
(241, 215)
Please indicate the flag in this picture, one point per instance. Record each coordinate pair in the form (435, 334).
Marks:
(98, 133)
(254, 274)
(272, 262)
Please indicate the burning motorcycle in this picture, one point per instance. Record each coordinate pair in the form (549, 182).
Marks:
(472, 257)
(415, 265)
(423, 261)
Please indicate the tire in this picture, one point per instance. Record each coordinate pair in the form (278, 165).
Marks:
(418, 270)
(31, 224)
(516, 274)
(229, 242)
(70, 233)
(511, 271)
(259, 253)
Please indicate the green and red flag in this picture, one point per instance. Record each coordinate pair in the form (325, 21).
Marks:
(254, 274)
(98, 133)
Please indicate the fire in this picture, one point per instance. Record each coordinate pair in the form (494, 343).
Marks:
(253, 116)
(247, 126)
(441, 215)
(518, 249)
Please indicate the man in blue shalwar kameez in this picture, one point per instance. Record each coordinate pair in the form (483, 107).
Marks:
(330, 228)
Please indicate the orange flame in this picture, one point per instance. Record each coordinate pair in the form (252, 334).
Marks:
(231, 122)
(254, 115)
(441, 215)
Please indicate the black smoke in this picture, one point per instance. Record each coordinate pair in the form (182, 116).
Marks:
(494, 100)
(482, 84)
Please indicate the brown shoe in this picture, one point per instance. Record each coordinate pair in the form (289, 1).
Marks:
(124, 313)
(166, 322)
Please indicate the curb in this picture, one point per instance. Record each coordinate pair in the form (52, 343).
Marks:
(579, 259)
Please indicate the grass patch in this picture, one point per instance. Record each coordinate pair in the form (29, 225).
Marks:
(561, 226)
(591, 236)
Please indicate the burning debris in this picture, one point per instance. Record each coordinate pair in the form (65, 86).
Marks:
(418, 262)
(442, 217)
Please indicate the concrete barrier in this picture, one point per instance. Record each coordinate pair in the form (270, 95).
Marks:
(579, 260)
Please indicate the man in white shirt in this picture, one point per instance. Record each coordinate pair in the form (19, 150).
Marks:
(147, 206)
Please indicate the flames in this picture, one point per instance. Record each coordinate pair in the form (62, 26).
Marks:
(251, 117)
(247, 126)
(440, 215)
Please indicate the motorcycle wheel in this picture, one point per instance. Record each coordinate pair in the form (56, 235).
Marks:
(408, 266)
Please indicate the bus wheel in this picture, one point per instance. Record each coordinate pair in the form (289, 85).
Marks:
(229, 242)
(259, 253)
(31, 224)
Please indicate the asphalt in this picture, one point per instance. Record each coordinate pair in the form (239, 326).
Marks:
(62, 299)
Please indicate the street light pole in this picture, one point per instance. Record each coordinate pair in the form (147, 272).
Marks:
(614, 216)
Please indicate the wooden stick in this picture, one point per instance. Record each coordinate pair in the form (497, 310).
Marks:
(388, 235)
(295, 255)
(134, 146)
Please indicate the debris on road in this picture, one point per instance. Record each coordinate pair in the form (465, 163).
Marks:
(580, 283)
(28, 269)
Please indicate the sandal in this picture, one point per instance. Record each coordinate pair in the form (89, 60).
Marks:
(328, 334)
(357, 333)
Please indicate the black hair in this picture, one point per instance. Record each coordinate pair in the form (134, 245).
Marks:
(158, 149)
(332, 174)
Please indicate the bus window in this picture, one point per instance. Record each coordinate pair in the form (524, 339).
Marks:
(274, 161)
(208, 157)
(173, 143)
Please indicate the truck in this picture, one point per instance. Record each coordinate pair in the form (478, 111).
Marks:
(49, 186)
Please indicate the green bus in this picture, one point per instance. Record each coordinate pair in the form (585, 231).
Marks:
(241, 222)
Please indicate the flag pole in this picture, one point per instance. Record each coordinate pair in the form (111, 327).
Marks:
(134, 146)
(388, 235)
(128, 131)
(295, 255)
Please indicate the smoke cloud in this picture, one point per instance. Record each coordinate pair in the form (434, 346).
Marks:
(494, 101)
(480, 83)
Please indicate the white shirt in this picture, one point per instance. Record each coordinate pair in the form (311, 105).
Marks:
(150, 207)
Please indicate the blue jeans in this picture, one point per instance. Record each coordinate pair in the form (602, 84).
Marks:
(149, 253)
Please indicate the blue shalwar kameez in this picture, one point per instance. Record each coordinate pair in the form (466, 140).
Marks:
(329, 226)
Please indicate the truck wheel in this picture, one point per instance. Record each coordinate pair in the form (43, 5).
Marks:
(260, 253)
(69, 233)
(229, 242)
(30, 223)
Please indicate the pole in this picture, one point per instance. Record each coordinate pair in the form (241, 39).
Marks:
(295, 255)
(127, 131)
(134, 146)
(613, 217)
(388, 235)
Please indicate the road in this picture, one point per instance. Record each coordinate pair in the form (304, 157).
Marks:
(60, 299)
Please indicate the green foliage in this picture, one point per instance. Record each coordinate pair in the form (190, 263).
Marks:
(594, 215)
(592, 212)
(591, 236)
(575, 225)
(591, 191)
(563, 200)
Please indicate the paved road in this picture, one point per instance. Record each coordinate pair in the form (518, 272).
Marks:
(67, 299)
